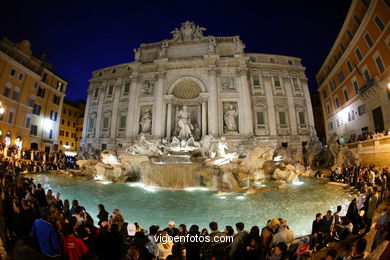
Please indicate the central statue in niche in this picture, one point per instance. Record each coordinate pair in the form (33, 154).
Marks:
(184, 122)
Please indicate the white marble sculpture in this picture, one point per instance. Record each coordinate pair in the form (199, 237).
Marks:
(146, 122)
(230, 119)
(184, 122)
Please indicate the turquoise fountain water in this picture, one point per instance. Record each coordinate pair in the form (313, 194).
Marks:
(298, 202)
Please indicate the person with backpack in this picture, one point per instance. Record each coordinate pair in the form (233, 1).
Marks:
(237, 250)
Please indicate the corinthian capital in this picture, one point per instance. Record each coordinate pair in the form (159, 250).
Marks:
(160, 75)
(213, 72)
(242, 72)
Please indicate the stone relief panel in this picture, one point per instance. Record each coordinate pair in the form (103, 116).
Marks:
(147, 88)
(228, 84)
(230, 118)
(145, 121)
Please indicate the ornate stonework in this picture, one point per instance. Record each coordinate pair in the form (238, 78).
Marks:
(186, 89)
(147, 88)
(194, 85)
(188, 31)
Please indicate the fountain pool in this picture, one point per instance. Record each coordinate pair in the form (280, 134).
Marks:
(298, 202)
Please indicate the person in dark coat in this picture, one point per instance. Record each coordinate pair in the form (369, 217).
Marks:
(316, 231)
(193, 248)
(106, 243)
(353, 215)
(252, 247)
(103, 214)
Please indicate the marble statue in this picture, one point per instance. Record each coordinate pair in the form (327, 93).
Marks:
(143, 146)
(239, 46)
(222, 145)
(208, 146)
(184, 122)
(211, 46)
(147, 88)
(230, 119)
(136, 54)
(175, 142)
(197, 133)
(146, 122)
(163, 50)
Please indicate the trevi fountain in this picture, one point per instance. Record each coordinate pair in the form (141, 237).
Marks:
(196, 130)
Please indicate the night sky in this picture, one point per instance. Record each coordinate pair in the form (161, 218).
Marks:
(80, 36)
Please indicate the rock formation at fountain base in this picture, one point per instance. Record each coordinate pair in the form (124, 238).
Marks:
(178, 165)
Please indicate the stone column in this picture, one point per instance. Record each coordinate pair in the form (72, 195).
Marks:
(169, 120)
(132, 120)
(204, 119)
(213, 118)
(245, 104)
(291, 106)
(309, 107)
(102, 94)
(157, 117)
(270, 105)
(86, 117)
(114, 115)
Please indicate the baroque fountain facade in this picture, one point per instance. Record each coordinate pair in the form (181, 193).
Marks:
(197, 110)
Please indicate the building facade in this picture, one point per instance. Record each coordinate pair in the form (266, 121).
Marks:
(31, 95)
(354, 79)
(207, 82)
(318, 116)
(71, 126)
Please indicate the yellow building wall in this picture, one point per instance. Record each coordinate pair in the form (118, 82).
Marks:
(28, 88)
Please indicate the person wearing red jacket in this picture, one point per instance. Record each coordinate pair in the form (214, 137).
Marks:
(73, 248)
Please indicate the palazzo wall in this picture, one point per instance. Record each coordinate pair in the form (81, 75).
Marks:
(223, 91)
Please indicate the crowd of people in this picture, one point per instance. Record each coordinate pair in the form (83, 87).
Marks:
(368, 136)
(38, 224)
(36, 161)
(362, 177)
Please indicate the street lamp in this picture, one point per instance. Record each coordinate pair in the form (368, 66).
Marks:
(1, 109)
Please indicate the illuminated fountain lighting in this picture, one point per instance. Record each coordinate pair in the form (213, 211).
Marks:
(278, 158)
(259, 184)
(105, 182)
(240, 197)
(297, 182)
(143, 186)
(196, 189)
(97, 178)
(222, 197)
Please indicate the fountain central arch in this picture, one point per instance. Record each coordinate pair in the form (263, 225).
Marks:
(189, 92)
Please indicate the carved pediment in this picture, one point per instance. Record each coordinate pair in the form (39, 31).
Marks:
(281, 107)
(188, 31)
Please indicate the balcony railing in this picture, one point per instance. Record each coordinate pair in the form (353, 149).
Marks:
(367, 86)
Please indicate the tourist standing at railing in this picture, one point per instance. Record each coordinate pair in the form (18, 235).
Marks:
(370, 208)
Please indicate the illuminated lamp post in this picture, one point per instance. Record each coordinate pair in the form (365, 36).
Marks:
(1, 109)
(1, 115)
